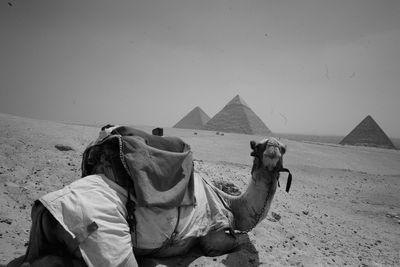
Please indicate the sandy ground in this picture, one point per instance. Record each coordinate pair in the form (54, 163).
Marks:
(343, 208)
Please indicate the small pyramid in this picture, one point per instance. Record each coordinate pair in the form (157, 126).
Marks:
(195, 119)
(368, 133)
(237, 117)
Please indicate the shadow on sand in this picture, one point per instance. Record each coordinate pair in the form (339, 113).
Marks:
(245, 255)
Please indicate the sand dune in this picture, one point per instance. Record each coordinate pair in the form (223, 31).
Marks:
(343, 208)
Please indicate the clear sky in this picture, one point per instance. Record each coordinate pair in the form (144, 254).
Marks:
(303, 66)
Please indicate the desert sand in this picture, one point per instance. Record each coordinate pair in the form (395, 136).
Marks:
(343, 207)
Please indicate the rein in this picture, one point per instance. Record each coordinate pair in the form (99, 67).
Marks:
(281, 169)
(289, 179)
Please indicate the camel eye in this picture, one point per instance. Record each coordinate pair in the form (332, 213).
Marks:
(253, 145)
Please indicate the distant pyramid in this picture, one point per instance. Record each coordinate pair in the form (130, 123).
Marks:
(195, 119)
(368, 133)
(237, 117)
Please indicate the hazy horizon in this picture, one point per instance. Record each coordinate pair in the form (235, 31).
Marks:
(304, 67)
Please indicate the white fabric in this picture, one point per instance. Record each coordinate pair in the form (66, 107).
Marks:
(93, 199)
(106, 132)
(155, 226)
(97, 199)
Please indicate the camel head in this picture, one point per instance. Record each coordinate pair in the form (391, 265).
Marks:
(267, 154)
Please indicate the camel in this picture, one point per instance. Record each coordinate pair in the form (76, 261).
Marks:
(52, 244)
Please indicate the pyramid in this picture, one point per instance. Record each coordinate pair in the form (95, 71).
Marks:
(368, 133)
(195, 119)
(237, 117)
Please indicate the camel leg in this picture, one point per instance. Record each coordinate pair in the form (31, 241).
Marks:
(218, 243)
(17, 262)
(56, 261)
(49, 243)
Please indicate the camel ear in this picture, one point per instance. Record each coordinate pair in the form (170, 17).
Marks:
(283, 149)
(253, 145)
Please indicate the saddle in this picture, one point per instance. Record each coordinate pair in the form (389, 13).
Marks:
(159, 169)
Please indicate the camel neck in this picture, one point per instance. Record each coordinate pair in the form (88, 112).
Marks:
(253, 205)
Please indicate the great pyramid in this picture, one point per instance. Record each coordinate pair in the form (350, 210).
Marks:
(195, 119)
(237, 117)
(368, 133)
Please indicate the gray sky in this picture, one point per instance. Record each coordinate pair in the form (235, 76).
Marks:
(303, 66)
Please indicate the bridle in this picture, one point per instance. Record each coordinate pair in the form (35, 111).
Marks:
(289, 179)
(279, 166)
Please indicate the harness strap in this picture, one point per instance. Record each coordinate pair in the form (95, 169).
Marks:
(289, 179)
(171, 240)
(131, 219)
(130, 205)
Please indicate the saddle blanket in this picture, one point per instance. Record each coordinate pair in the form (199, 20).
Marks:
(92, 210)
(160, 168)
